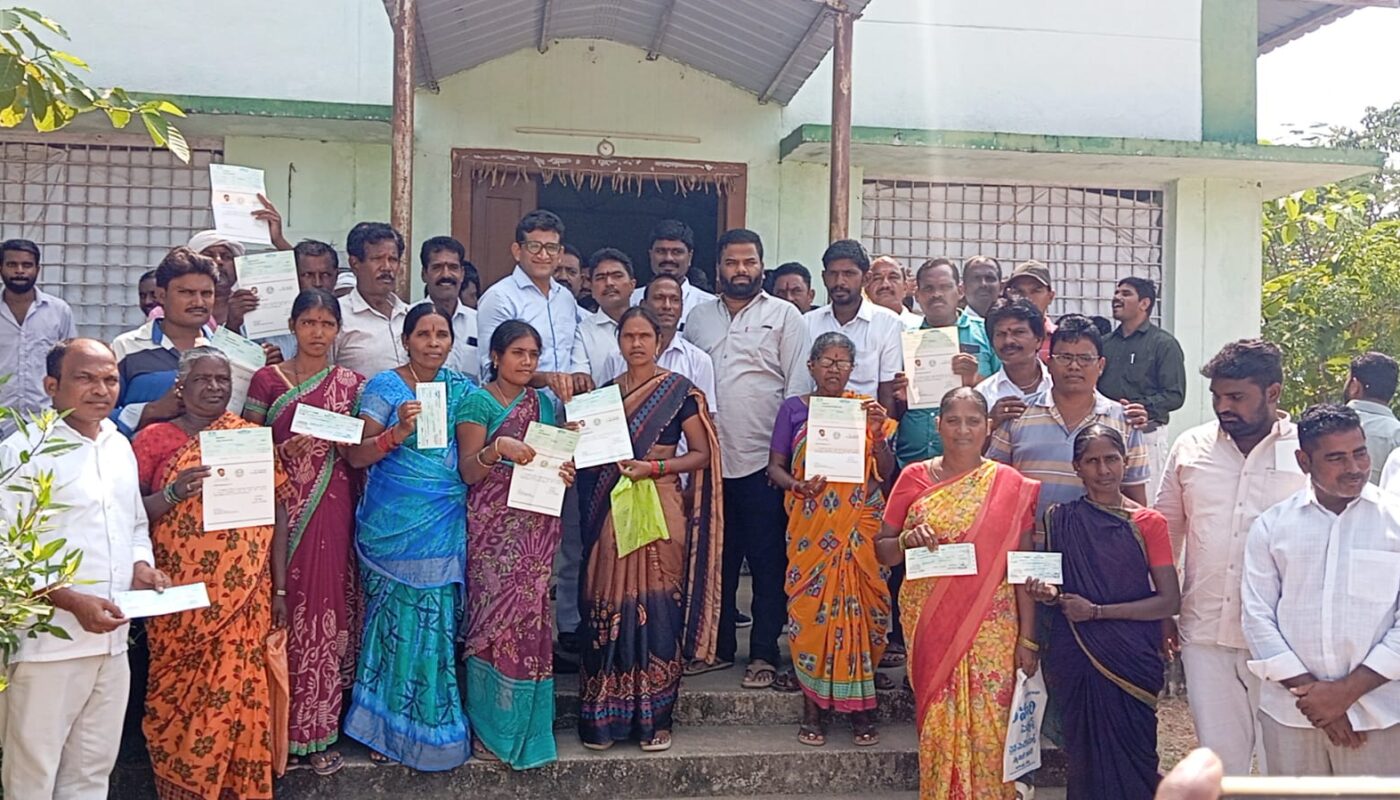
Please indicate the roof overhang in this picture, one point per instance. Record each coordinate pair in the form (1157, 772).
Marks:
(1282, 21)
(766, 47)
(1079, 161)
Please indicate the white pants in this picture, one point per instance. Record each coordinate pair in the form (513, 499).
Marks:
(1308, 751)
(568, 561)
(1158, 443)
(61, 727)
(1224, 697)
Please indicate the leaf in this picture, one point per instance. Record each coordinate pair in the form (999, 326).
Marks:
(9, 19)
(153, 126)
(42, 20)
(177, 144)
(118, 116)
(70, 58)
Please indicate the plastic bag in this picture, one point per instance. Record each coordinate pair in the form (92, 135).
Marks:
(1022, 753)
(637, 516)
(277, 679)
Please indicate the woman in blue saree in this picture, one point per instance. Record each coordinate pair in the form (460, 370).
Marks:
(1102, 660)
(411, 539)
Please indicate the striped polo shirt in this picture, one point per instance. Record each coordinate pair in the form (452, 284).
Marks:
(1040, 446)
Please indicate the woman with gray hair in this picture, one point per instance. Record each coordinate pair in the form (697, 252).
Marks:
(208, 713)
(838, 602)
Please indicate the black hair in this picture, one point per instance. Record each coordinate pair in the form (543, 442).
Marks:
(1324, 419)
(793, 268)
(1105, 327)
(1094, 431)
(832, 339)
(964, 393)
(1076, 327)
(368, 233)
(672, 230)
(1145, 289)
(313, 248)
(22, 245)
(612, 254)
(646, 293)
(739, 236)
(1377, 373)
(934, 263)
(148, 275)
(308, 299)
(981, 261)
(416, 315)
(437, 243)
(570, 250)
(470, 275)
(1023, 310)
(1253, 360)
(638, 311)
(507, 332)
(182, 261)
(539, 220)
(848, 250)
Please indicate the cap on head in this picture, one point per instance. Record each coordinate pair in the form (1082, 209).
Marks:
(1032, 269)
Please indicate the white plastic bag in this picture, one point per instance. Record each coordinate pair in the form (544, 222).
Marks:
(1022, 753)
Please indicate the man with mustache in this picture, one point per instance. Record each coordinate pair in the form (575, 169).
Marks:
(569, 271)
(443, 260)
(982, 284)
(793, 283)
(31, 322)
(885, 283)
(1017, 331)
(1219, 477)
(758, 345)
(875, 331)
(371, 336)
(1369, 390)
(613, 282)
(1144, 365)
(1031, 281)
(146, 293)
(671, 247)
(1321, 584)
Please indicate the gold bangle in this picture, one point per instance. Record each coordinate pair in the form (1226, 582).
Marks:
(1028, 644)
(904, 539)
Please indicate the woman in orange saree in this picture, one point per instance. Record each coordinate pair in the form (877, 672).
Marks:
(967, 635)
(208, 701)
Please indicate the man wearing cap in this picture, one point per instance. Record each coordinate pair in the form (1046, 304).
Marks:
(1031, 281)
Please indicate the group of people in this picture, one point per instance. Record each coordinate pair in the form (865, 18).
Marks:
(417, 601)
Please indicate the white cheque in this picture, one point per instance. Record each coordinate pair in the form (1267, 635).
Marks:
(150, 603)
(1047, 567)
(948, 560)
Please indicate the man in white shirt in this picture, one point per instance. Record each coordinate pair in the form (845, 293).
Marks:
(885, 284)
(671, 246)
(443, 259)
(663, 298)
(1321, 584)
(31, 322)
(371, 336)
(61, 717)
(875, 331)
(1017, 331)
(1369, 391)
(1219, 477)
(611, 285)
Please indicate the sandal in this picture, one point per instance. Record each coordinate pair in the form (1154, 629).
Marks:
(325, 764)
(895, 656)
(812, 731)
(659, 743)
(884, 683)
(759, 674)
(379, 758)
(865, 734)
(595, 746)
(481, 751)
(698, 667)
(787, 681)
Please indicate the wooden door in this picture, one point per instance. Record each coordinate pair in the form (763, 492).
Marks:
(491, 220)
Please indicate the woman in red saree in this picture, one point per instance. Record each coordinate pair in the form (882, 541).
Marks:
(966, 635)
(323, 590)
(208, 701)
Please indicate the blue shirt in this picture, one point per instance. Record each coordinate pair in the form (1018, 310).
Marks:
(917, 438)
(555, 316)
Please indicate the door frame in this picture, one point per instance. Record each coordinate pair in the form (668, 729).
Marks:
(730, 178)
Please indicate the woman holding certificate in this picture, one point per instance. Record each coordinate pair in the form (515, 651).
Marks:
(208, 710)
(838, 602)
(323, 590)
(1103, 660)
(649, 604)
(967, 634)
(509, 649)
(411, 541)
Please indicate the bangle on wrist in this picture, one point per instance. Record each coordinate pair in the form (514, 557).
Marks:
(280, 592)
(170, 494)
(1028, 644)
(660, 467)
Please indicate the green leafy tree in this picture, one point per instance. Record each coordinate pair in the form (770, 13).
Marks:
(41, 83)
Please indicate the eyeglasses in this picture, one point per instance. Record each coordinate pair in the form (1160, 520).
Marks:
(1082, 359)
(835, 363)
(534, 248)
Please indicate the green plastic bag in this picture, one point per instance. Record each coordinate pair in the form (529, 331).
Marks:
(637, 517)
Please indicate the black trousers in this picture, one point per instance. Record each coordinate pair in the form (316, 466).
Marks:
(755, 527)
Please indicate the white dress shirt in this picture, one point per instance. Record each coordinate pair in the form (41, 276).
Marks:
(370, 342)
(1211, 493)
(680, 357)
(24, 351)
(877, 334)
(760, 358)
(1320, 595)
(103, 517)
(463, 357)
(910, 320)
(999, 385)
(691, 296)
(556, 316)
(596, 345)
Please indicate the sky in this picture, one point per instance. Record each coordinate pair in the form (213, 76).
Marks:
(1331, 75)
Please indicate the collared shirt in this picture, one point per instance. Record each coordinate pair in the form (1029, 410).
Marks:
(596, 345)
(680, 357)
(760, 358)
(909, 319)
(555, 316)
(1211, 493)
(691, 296)
(463, 358)
(24, 352)
(1000, 385)
(1382, 433)
(1041, 446)
(1146, 366)
(102, 516)
(875, 330)
(918, 437)
(370, 342)
(146, 361)
(1320, 594)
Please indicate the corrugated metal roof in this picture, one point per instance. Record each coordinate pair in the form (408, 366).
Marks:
(1282, 21)
(767, 47)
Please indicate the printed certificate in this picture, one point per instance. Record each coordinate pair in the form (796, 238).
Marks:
(245, 357)
(537, 486)
(272, 277)
(603, 434)
(234, 193)
(240, 492)
(836, 439)
(928, 363)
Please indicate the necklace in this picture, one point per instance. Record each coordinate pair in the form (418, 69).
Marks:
(496, 392)
(414, 372)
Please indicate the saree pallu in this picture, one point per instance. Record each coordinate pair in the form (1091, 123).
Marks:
(411, 541)
(838, 599)
(509, 649)
(323, 587)
(646, 614)
(962, 634)
(208, 701)
(1103, 676)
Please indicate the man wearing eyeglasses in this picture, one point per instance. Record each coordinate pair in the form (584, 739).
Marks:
(671, 248)
(1040, 443)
